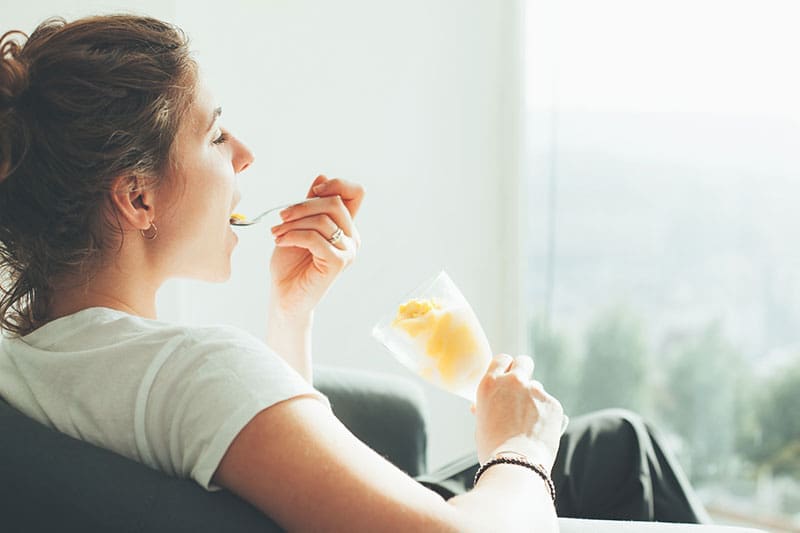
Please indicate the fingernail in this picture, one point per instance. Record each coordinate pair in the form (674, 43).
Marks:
(319, 188)
(275, 229)
(284, 214)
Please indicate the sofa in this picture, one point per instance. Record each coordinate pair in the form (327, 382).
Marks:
(52, 482)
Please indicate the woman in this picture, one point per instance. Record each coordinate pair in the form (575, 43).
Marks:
(116, 175)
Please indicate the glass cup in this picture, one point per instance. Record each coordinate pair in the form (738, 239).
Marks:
(435, 334)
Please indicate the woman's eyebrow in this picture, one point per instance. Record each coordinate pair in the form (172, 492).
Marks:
(214, 117)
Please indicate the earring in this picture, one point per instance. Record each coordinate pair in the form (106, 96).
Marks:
(151, 232)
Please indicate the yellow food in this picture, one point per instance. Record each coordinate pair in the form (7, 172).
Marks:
(447, 335)
(237, 217)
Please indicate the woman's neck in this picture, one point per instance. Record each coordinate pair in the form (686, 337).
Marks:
(134, 296)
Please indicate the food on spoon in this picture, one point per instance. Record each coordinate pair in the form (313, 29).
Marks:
(449, 336)
(237, 217)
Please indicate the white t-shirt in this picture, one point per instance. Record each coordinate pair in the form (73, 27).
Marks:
(172, 397)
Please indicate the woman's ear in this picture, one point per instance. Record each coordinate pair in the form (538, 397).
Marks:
(133, 202)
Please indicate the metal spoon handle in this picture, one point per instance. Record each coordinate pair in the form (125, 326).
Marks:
(251, 221)
(268, 211)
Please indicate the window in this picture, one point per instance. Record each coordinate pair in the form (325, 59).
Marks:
(662, 257)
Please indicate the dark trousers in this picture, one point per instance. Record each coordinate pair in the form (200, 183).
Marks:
(611, 465)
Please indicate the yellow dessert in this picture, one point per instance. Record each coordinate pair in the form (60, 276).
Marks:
(448, 337)
(237, 217)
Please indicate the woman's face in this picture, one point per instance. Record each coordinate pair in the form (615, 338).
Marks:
(195, 204)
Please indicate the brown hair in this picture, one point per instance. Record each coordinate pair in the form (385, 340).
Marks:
(81, 104)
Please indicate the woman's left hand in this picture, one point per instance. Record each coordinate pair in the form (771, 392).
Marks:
(305, 261)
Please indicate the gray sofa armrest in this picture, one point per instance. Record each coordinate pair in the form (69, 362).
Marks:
(386, 412)
(52, 482)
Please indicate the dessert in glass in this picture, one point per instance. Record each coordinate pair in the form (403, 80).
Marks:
(434, 332)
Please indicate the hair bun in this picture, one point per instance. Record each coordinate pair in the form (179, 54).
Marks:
(13, 72)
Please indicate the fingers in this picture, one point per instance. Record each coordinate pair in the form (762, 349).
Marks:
(324, 253)
(536, 390)
(499, 365)
(522, 367)
(332, 206)
(352, 193)
(322, 224)
(319, 180)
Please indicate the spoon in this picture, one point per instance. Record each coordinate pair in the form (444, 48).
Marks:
(241, 220)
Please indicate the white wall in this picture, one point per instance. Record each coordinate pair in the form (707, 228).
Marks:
(26, 15)
(417, 101)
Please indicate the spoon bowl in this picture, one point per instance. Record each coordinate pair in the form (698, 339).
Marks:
(238, 219)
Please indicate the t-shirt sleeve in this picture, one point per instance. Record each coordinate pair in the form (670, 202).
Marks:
(206, 392)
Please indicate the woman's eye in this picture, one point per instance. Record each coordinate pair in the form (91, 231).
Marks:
(221, 139)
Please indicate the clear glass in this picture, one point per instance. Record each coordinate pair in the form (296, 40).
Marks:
(434, 332)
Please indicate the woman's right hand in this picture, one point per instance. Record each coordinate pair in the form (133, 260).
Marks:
(514, 413)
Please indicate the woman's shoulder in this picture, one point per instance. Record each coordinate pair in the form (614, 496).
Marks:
(106, 329)
(203, 343)
(218, 348)
(124, 326)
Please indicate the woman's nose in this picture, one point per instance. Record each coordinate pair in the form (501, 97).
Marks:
(242, 157)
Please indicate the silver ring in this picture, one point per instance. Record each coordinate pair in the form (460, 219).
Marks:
(337, 236)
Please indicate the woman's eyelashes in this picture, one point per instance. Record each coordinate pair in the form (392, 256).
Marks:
(223, 136)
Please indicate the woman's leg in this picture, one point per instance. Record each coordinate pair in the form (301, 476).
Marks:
(613, 465)
(610, 465)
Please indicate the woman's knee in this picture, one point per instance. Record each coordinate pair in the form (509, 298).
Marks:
(616, 417)
(616, 436)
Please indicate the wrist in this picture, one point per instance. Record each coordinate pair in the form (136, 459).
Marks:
(289, 335)
(287, 317)
(535, 451)
(519, 460)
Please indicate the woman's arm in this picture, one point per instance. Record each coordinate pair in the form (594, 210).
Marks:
(305, 264)
(290, 337)
(298, 464)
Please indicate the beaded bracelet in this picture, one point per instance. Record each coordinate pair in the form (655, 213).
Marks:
(521, 460)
